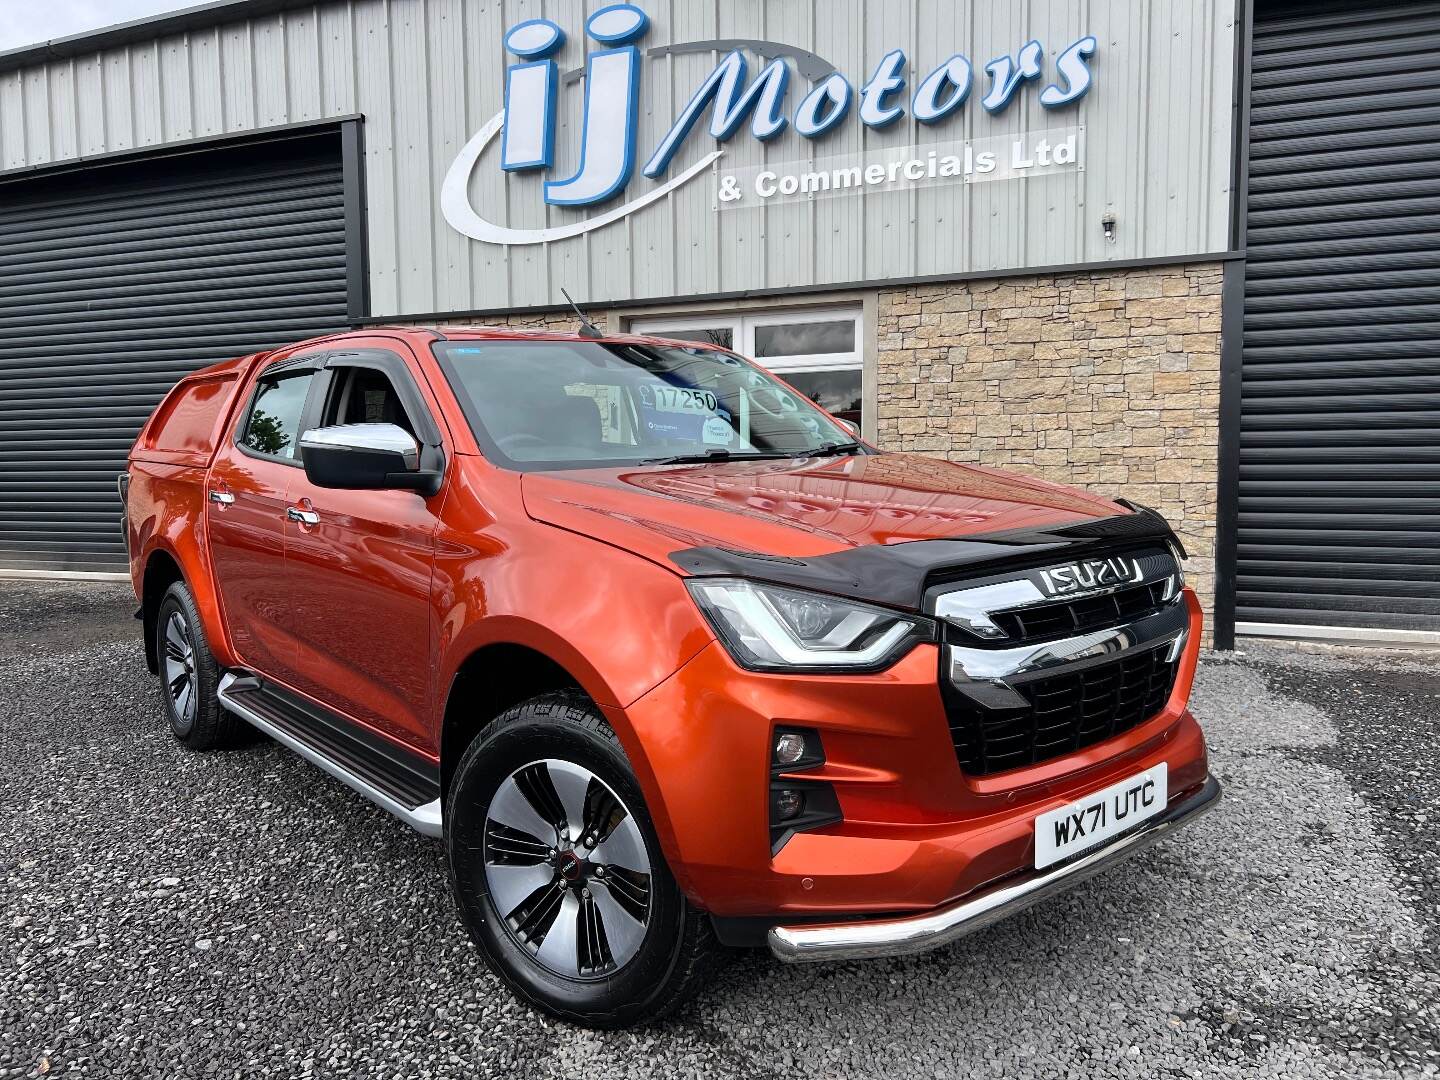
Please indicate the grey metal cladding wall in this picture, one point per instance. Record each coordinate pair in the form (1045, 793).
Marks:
(116, 281)
(1158, 152)
(427, 74)
(1339, 516)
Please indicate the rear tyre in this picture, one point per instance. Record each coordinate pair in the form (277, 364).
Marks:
(189, 675)
(559, 875)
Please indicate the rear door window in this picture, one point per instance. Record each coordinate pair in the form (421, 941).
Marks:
(272, 427)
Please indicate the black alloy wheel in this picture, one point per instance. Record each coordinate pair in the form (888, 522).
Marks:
(558, 871)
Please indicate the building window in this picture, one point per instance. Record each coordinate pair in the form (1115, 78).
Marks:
(817, 352)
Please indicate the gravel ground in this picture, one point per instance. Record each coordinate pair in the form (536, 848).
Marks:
(171, 914)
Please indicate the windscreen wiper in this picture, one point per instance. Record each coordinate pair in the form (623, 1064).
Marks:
(832, 448)
(715, 454)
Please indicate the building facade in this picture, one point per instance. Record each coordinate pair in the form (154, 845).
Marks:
(1175, 251)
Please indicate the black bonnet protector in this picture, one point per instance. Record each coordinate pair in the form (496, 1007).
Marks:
(896, 575)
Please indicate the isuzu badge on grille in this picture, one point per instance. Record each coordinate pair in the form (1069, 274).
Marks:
(1091, 574)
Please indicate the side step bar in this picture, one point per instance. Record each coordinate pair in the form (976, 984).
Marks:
(405, 785)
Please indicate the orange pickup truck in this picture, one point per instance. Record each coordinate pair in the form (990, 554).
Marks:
(668, 656)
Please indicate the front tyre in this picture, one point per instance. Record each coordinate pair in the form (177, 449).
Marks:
(558, 873)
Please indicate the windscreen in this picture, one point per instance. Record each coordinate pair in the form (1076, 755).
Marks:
(572, 404)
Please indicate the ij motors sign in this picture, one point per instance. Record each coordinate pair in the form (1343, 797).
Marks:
(609, 141)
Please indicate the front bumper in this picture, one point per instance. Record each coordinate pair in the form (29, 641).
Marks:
(910, 934)
(919, 833)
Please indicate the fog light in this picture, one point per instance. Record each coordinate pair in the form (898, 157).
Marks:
(788, 804)
(798, 806)
(789, 748)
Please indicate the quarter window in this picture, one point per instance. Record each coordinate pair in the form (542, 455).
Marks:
(273, 426)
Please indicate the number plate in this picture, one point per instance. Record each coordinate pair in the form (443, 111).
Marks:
(1089, 822)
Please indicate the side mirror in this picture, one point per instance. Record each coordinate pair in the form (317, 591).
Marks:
(365, 457)
(850, 426)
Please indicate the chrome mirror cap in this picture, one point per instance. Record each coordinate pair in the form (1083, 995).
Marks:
(366, 438)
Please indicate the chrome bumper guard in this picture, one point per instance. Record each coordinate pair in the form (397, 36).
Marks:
(903, 936)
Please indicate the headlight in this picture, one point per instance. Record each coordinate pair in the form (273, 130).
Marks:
(767, 628)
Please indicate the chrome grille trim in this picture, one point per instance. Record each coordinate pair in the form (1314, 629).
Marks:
(974, 609)
(981, 674)
(1028, 675)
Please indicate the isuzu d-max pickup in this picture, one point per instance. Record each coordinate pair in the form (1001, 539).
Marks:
(668, 657)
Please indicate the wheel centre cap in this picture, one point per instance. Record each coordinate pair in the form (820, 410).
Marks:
(568, 864)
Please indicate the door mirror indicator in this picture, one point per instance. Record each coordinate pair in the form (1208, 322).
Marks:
(366, 457)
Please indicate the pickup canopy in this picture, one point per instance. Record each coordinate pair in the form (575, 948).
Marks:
(189, 423)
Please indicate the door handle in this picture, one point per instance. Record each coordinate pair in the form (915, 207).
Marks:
(305, 517)
(224, 498)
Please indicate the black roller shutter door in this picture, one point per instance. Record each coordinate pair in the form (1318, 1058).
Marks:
(1339, 514)
(114, 282)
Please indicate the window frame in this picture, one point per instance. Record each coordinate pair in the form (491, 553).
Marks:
(806, 361)
(743, 324)
(657, 323)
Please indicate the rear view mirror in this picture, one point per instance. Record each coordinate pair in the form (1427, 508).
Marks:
(850, 426)
(365, 457)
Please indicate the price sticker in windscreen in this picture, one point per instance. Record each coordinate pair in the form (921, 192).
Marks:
(679, 399)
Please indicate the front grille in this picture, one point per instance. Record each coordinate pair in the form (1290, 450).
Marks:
(1067, 617)
(1063, 713)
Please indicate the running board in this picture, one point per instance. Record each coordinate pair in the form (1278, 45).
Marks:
(402, 783)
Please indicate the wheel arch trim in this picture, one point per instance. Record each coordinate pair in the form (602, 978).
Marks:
(201, 591)
(187, 551)
(538, 639)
